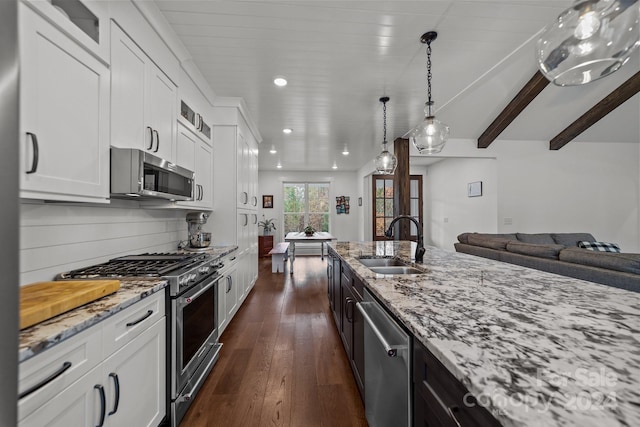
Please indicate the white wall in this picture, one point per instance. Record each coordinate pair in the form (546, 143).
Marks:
(55, 238)
(584, 187)
(344, 227)
(448, 206)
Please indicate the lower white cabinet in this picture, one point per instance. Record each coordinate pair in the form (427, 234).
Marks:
(112, 374)
(228, 292)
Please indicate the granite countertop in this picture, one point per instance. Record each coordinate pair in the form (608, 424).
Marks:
(536, 349)
(44, 335)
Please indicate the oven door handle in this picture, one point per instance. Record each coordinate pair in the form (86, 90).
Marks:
(189, 299)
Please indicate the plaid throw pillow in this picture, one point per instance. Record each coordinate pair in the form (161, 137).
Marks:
(600, 246)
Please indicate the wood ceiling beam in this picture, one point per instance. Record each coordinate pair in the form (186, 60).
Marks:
(530, 90)
(612, 101)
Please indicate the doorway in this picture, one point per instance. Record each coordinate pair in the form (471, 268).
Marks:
(383, 208)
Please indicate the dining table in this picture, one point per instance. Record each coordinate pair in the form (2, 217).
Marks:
(294, 237)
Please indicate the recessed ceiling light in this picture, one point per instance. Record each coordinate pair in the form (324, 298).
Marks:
(334, 166)
(273, 150)
(279, 166)
(345, 152)
(280, 81)
(287, 130)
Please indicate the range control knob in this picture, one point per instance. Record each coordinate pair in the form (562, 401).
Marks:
(193, 277)
(183, 281)
(204, 270)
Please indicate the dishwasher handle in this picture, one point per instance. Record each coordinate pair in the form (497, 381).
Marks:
(391, 351)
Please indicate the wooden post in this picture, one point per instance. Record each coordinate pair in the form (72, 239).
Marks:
(402, 188)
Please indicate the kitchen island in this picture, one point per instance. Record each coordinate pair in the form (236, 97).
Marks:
(534, 348)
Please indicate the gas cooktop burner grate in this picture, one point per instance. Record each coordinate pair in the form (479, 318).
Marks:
(143, 265)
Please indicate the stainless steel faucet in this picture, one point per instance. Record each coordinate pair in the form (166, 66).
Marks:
(419, 255)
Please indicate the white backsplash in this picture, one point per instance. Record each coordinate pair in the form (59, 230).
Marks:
(59, 237)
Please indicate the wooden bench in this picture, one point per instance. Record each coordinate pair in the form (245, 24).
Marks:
(279, 256)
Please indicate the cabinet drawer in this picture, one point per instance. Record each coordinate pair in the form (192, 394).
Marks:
(65, 363)
(448, 399)
(123, 327)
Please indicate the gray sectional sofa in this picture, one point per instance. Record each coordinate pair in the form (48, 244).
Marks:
(556, 253)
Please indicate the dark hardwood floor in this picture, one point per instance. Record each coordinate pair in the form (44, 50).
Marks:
(282, 363)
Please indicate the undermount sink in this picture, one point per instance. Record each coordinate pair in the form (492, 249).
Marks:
(381, 262)
(389, 266)
(396, 270)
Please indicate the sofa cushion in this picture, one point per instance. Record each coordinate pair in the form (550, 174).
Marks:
(599, 246)
(539, 239)
(464, 237)
(571, 239)
(497, 243)
(629, 263)
(541, 251)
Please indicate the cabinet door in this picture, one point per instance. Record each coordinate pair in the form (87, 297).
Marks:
(242, 171)
(134, 380)
(231, 293)
(204, 174)
(337, 306)
(186, 144)
(78, 405)
(161, 106)
(128, 76)
(358, 345)
(65, 108)
(223, 285)
(346, 325)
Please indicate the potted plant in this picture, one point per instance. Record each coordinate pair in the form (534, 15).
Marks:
(267, 225)
(309, 230)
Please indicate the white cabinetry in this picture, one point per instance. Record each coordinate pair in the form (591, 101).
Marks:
(143, 100)
(227, 292)
(195, 154)
(116, 373)
(64, 115)
(235, 146)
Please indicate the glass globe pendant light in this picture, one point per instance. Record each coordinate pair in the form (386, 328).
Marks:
(588, 41)
(386, 162)
(429, 136)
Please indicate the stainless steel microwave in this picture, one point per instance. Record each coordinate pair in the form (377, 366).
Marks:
(136, 173)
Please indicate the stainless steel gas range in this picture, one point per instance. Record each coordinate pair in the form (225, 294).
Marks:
(192, 311)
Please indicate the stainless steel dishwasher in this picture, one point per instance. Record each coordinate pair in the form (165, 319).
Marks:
(387, 367)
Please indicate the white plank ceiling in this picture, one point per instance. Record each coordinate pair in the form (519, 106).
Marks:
(340, 57)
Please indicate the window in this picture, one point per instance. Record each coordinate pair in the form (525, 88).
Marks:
(383, 207)
(306, 203)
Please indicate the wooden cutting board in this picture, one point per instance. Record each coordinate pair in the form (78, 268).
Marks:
(44, 300)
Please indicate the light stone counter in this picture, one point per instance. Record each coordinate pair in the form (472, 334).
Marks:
(44, 335)
(536, 349)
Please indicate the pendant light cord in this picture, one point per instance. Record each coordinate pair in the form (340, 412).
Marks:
(429, 102)
(384, 123)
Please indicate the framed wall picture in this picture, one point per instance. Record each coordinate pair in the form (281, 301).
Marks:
(474, 189)
(267, 201)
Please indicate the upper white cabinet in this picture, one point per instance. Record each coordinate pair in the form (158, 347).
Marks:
(143, 100)
(194, 110)
(195, 154)
(64, 114)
